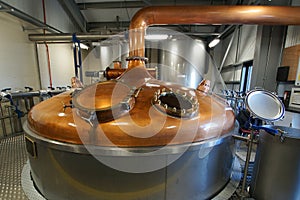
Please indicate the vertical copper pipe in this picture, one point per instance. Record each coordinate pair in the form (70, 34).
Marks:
(264, 15)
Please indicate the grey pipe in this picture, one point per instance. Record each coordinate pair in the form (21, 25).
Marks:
(21, 15)
(67, 37)
(25, 94)
(16, 95)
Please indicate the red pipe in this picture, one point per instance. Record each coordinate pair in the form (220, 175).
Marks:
(47, 48)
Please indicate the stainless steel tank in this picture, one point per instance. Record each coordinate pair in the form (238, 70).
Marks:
(276, 173)
(156, 141)
(182, 60)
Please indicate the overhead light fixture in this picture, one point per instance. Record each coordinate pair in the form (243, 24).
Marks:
(82, 46)
(156, 37)
(96, 43)
(214, 42)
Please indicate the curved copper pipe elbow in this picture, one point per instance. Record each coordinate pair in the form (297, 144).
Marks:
(264, 15)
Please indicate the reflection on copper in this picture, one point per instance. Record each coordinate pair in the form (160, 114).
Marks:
(117, 64)
(115, 73)
(204, 86)
(76, 83)
(263, 15)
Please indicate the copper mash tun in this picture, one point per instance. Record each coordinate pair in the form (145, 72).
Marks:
(136, 137)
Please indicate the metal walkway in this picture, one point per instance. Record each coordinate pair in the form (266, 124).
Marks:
(13, 157)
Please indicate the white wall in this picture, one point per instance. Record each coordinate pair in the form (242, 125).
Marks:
(61, 64)
(18, 65)
(18, 57)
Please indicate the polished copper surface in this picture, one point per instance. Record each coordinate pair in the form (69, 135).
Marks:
(162, 15)
(136, 62)
(115, 73)
(144, 125)
(76, 83)
(49, 119)
(117, 64)
(204, 86)
(99, 99)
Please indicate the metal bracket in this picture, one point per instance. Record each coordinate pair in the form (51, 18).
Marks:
(31, 147)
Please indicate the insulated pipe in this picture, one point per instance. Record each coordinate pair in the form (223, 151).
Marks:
(21, 15)
(65, 37)
(115, 73)
(25, 94)
(162, 15)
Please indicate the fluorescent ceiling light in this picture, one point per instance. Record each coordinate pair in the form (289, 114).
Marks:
(82, 46)
(214, 43)
(96, 44)
(156, 37)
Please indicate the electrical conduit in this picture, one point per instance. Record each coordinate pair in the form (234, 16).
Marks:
(47, 48)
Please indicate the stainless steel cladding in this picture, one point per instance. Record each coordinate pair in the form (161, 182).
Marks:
(103, 56)
(182, 61)
(276, 173)
(200, 173)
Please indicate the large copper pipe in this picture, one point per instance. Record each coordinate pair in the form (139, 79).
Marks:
(263, 15)
(115, 73)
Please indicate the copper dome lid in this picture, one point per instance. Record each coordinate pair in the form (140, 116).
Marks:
(117, 113)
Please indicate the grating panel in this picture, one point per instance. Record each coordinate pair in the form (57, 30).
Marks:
(12, 159)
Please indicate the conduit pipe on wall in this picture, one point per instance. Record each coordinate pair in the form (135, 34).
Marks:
(67, 37)
(21, 15)
(47, 48)
(154, 15)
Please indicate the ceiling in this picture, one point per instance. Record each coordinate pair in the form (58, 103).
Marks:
(113, 16)
(101, 14)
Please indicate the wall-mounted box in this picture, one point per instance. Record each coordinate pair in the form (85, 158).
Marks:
(290, 58)
(297, 82)
(282, 73)
(295, 98)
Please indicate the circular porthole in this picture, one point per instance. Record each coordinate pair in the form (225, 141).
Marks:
(176, 104)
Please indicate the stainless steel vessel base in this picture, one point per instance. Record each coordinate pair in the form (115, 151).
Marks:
(33, 194)
(61, 171)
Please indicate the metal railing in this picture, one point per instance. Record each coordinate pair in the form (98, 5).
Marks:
(14, 107)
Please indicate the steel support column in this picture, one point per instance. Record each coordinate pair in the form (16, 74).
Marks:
(268, 51)
(267, 57)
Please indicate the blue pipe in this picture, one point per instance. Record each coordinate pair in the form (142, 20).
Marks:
(269, 130)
